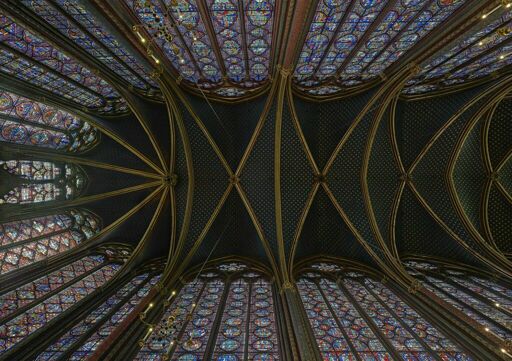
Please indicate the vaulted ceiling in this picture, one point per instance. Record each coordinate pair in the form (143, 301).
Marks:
(369, 130)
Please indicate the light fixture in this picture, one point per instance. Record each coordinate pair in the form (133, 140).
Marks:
(135, 29)
(504, 3)
(173, 293)
(173, 324)
(155, 59)
(148, 332)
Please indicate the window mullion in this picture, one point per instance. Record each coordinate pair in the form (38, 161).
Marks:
(475, 310)
(18, 54)
(34, 239)
(67, 354)
(32, 272)
(27, 307)
(483, 285)
(248, 322)
(10, 118)
(98, 43)
(179, 336)
(212, 341)
(476, 295)
(338, 322)
(404, 325)
(383, 339)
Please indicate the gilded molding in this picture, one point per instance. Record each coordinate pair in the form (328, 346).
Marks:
(360, 238)
(300, 225)
(487, 244)
(277, 173)
(201, 126)
(129, 264)
(183, 137)
(261, 234)
(298, 128)
(376, 120)
(197, 243)
(257, 129)
(369, 105)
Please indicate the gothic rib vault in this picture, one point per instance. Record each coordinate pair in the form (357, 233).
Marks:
(290, 165)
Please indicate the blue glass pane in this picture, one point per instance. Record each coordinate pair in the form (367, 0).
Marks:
(20, 119)
(28, 57)
(37, 317)
(97, 315)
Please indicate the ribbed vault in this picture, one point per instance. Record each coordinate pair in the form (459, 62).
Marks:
(368, 174)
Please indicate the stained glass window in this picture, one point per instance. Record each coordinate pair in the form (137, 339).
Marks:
(88, 32)
(199, 329)
(479, 52)
(103, 321)
(29, 58)
(18, 328)
(39, 181)
(27, 241)
(242, 306)
(484, 301)
(31, 292)
(242, 30)
(350, 43)
(330, 340)
(232, 267)
(356, 315)
(173, 320)
(26, 122)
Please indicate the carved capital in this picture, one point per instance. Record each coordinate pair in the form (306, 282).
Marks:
(414, 287)
(155, 74)
(159, 286)
(287, 285)
(285, 72)
(414, 68)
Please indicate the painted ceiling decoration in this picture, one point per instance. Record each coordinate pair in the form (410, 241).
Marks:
(261, 180)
